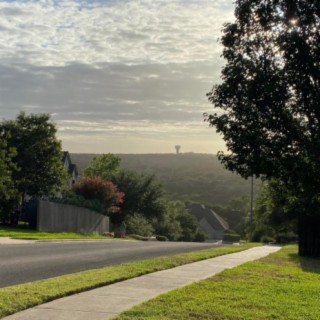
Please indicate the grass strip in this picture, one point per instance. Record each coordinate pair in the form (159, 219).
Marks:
(20, 297)
(28, 234)
(281, 286)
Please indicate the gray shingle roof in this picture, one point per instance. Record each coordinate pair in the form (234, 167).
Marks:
(200, 212)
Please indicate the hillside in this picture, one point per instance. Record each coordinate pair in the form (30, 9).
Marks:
(186, 176)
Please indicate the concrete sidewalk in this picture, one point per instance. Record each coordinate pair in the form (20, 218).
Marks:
(106, 302)
(8, 240)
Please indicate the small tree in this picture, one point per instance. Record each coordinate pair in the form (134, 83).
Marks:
(143, 195)
(98, 189)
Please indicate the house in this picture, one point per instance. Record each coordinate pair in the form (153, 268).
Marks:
(71, 169)
(210, 222)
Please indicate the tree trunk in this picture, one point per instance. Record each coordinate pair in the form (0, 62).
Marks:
(309, 235)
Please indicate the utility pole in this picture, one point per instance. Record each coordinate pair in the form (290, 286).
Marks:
(251, 210)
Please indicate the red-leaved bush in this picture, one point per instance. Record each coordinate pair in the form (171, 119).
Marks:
(95, 188)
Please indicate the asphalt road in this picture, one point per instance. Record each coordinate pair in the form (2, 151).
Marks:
(21, 263)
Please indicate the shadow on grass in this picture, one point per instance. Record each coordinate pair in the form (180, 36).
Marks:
(8, 231)
(307, 264)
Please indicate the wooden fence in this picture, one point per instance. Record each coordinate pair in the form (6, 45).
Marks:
(58, 217)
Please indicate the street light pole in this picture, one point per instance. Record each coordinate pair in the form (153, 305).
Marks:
(251, 210)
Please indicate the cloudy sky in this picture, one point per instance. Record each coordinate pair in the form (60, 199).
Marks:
(121, 76)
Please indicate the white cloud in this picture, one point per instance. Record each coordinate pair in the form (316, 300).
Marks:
(137, 68)
(57, 33)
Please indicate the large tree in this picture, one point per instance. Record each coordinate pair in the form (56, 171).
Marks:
(268, 102)
(38, 154)
(6, 164)
(8, 193)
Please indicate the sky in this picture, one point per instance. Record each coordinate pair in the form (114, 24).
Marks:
(118, 76)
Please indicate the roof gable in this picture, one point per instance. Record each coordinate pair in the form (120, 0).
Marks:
(201, 212)
(71, 167)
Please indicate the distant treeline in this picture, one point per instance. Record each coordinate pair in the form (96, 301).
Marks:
(187, 176)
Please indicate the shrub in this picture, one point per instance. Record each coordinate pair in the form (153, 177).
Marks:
(30, 212)
(167, 225)
(266, 239)
(231, 236)
(100, 190)
(177, 224)
(199, 237)
(286, 237)
(161, 238)
(79, 201)
(138, 237)
(8, 211)
(138, 224)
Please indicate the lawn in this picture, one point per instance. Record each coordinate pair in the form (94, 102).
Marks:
(281, 286)
(28, 234)
(20, 297)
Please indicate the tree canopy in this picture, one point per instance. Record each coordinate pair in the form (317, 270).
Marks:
(8, 193)
(179, 175)
(268, 101)
(276, 210)
(103, 166)
(95, 188)
(38, 154)
(7, 167)
(144, 208)
(143, 194)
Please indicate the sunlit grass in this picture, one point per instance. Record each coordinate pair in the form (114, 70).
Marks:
(281, 286)
(29, 234)
(20, 297)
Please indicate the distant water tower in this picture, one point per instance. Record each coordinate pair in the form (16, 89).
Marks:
(177, 149)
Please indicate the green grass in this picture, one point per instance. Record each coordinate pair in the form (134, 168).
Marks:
(281, 286)
(20, 297)
(28, 234)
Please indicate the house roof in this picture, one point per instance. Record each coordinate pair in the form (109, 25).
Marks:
(66, 156)
(71, 166)
(201, 212)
